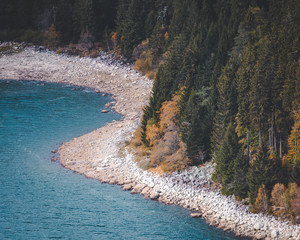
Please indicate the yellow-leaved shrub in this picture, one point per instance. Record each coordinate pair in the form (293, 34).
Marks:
(261, 203)
(51, 37)
(286, 202)
(166, 152)
(144, 59)
(278, 200)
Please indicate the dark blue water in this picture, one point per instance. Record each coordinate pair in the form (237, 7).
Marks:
(41, 200)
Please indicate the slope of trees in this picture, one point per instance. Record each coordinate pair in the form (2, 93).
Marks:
(236, 64)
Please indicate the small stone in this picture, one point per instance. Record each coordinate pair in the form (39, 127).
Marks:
(196, 214)
(261, 235)
(104, 111)
(258, 226)
(274, 233)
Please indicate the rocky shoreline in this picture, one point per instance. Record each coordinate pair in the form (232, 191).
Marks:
(98, 154)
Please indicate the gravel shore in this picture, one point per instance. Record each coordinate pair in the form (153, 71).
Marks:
(98, 154)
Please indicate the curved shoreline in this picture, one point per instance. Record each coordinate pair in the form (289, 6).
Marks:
(97, 154)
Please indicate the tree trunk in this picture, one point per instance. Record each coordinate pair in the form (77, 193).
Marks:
(270, 139)
(280, 147)
(272, 132)
(259, 138)
(248, 147)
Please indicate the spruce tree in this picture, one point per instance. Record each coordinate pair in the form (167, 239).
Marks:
(227, 103)
(196, 126)
(241, 166)
(262, 171)
(64, 20)
(131, 23)
(225, 157)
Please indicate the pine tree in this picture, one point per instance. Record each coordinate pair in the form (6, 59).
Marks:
(64, 20)
(260, 90)
(195, 126)
(147, 115)
(104, 18)
(168, 76)
(262, 171)
(227, 103)
(244, 73)
(241, 166)
(131, 21)
(178, 18)
(225, 158)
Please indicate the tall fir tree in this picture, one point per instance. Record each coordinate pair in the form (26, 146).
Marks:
(225, 160)
(262, 171)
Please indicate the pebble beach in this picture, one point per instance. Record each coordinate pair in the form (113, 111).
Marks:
(102, 155)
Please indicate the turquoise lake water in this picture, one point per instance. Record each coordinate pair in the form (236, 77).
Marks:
(39, 199)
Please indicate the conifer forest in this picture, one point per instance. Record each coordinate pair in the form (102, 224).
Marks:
(226, 82)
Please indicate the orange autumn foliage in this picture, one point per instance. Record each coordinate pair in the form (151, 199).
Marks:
(293, 154)
(261, 203)
(286, 202)
(294, 202)
(51, 37)
(168, 152)
(144, 59)
(153, 134)
(278, 200)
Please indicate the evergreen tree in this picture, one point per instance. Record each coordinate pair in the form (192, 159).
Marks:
(241, 166)
(131, 24)
(147, 115)
(104, 18)
(196, 126)
(225, 160)
(227, 103)
(260, 91)
(168, 76)
(295, 175)
(262, 171)
(64, 20)
(244, 73)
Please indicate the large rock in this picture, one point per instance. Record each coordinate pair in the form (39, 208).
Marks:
(146, 191)
(127, 187)
(154, 195)
(138, 188)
